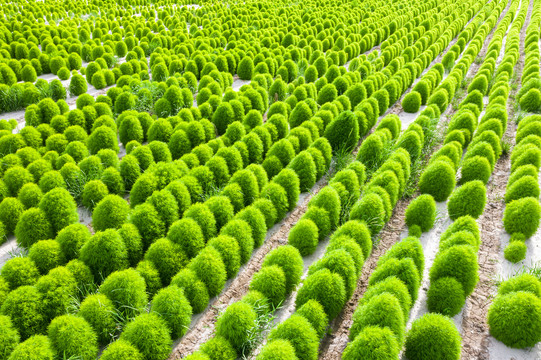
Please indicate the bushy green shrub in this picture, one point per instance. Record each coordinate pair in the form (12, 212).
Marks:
(370, 209)
(194, 289)
(73, 336)
(126, 289)
(25, 308)
(325, 287)
(409, 247)
(515, 319)
(32, 227)
(46, 255)
(382, 310)
(37, 347)
(468, 199)
(446, 296)
(271, 282)
(515, 251)
(20, 271)
(99, 312)
(459, 262)
(343, 132)
(59, 208)
(475, 168)
(305, 168)
(150, 335)
(72, 238)
(421, 212)
(373, 343)
(171, 304)
(187, 233)
(304, 236)
(9, 338)
(280, 349)
(218, 348)
(236, 323)
(433, 336)
(289, 260)
(526, 186)
(298, 331)
(104, 253)
(315, 314)
(522, 216)
(110, 213)
(289, 180)
(121, 349)
(531, 100)
(412, 102)
(210, 269)
(438, 180)
(404, 269)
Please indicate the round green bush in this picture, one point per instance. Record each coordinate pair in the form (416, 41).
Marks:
(394, 286)
(304, 236)
(30, 195)
(325, 287)
(526, 186)
(20, 271)
(46, 254)
(433, 336)
(148, 222)
(369, 209)
(266, 207)
(289, 259)
(421, 212)
(298, 331)
(102, 137)
(150, 335)
(167, 257)
(93, 192)
(110, 213)
(11, 210)
(236, 323)
(340, 262)
(73, 336)
(9, 339)
(210, 269)
(438, 180)
(459, 262)
(523, 282)
(166, 205)
(25, 308)
(446, 296)
(204, 217)
(314, 312)
(194, 289)
(522, 216)
(280, 349)
(475, 168)
(37, 347)
(343, 132)
(271, 282)
(99, 311)
(187, 233)
(121, 349)
(468, 199)
(218, 348)
(515, 319)
(404, 269)
(229, 250)
(72, 238)
(245, 68)
(151, 277)
(126, 289)
(409, 247)
(32, 227)
(515, 251)
(382, 310)
(373, 343)
(171, 305)
(531, 101)
(411, 102)
(104, 253)
(59, 208)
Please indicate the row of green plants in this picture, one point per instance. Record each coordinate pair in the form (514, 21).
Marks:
(238, 330)
(528, 97)
(439, 177)
(522, 211)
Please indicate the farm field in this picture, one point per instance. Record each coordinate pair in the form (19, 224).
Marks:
(270, 180)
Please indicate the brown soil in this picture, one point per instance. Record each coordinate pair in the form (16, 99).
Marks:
(475, 328)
